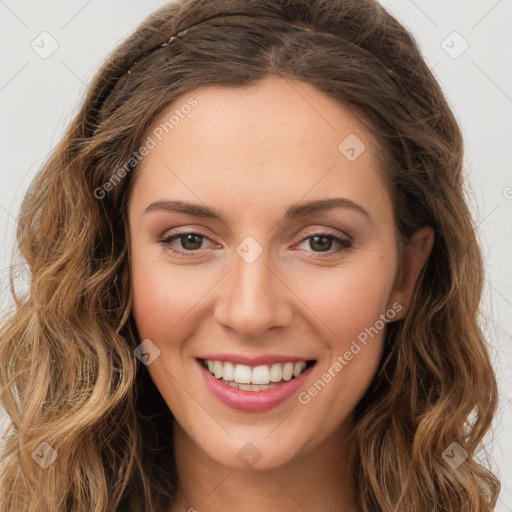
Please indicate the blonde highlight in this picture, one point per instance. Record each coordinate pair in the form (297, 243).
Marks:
(67, 371)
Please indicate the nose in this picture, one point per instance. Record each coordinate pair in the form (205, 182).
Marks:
(254, 298)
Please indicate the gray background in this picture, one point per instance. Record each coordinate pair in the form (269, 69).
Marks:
(39, 95)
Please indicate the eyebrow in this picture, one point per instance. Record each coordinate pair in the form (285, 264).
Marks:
(295, 211)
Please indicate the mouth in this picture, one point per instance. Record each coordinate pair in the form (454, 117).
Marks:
(255, 378)
(254, 388)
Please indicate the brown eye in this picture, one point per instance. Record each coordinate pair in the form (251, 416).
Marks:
(189, 242)
(322, 242)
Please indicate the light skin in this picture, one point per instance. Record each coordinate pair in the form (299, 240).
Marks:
(251, 154)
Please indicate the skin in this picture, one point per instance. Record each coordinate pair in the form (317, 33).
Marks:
(251, 153)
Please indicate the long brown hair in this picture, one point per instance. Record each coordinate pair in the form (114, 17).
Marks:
(68, 373)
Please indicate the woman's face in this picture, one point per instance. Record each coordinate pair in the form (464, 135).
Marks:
(297, 265)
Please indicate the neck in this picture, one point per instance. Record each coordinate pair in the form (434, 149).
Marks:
(315, 481)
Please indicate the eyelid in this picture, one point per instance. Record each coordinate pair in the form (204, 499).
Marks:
(326, 231)
(343, 241)
(308, 233)
(184, 230)
(173, 234)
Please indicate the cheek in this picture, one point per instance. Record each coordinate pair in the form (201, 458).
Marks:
(348, 299)
(349, 305)
(166, 298)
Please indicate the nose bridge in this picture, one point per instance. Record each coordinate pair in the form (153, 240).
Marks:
(253, 299)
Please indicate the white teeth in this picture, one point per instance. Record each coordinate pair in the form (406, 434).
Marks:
(229, 371)
(255, 378)
(287, 371)
(260, 375)
(242, 374)
(276, 373)
(218, 369)
(298, 368)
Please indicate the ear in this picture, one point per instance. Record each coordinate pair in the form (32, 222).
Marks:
(417, 253)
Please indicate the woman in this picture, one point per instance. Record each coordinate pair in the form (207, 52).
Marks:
(254, 278)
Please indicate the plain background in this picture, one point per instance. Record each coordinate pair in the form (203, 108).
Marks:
(467, 43)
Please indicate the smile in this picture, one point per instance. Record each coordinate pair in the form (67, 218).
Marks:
(254, 378)
(254, 387)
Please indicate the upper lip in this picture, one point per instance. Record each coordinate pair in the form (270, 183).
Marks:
(255, 360)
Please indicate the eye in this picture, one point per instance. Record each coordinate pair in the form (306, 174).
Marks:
(323, 241)
(190, 242)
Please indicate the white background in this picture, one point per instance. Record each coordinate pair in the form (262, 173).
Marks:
(38, 97)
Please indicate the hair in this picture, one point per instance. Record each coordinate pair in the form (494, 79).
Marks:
(68, 373)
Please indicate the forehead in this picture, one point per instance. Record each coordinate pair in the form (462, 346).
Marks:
(278, 138)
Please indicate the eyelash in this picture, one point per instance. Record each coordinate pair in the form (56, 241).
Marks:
(345, 243)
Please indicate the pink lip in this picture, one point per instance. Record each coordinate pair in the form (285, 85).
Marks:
(255, 361)
(252, 401)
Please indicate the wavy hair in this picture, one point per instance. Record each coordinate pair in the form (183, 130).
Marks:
(68, 373)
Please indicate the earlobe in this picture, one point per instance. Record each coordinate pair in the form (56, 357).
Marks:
(417, 253)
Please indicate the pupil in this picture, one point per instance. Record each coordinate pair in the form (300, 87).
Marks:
(193, 239)
(325, 239)
(321, 242)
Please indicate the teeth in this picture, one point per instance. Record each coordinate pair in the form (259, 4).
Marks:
(260, 375)
(249, 387)
(242, 374)
(276, 372)
(254, 378)
(297, 369)
(229, 371)
(287, 371)
(218, 369)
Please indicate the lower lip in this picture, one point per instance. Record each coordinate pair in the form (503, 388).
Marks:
(252, 401)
